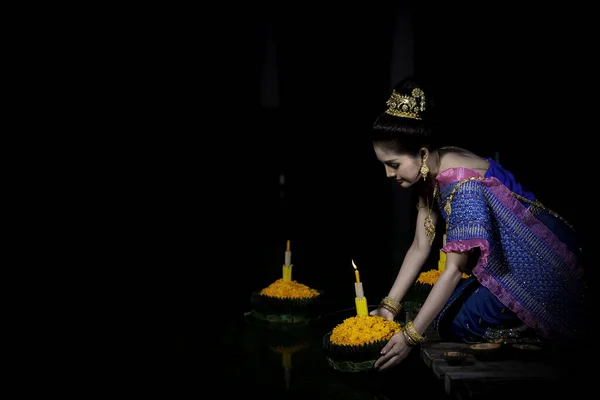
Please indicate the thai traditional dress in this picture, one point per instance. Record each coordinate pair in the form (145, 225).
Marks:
(527, 283)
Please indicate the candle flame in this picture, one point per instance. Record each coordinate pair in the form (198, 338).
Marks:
(356, 272)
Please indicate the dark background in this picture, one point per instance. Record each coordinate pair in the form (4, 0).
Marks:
(219, 103)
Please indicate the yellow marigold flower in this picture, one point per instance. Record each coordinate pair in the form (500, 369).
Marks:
(360, 330)
(289, 290)
(430, 277)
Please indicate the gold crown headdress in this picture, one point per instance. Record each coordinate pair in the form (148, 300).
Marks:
(405, 106)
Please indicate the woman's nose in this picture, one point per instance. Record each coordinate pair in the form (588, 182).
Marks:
(389, 172)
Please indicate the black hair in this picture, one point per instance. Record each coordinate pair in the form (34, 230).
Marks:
(408, 135)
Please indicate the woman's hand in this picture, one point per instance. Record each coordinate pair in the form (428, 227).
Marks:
(393, 352)
(383, 312)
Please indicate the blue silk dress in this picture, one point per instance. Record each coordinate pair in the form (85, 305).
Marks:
(527, 284)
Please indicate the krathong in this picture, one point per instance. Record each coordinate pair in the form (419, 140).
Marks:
(359, 330)
(289, 290)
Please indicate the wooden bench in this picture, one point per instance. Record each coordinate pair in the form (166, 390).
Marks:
(475, 379)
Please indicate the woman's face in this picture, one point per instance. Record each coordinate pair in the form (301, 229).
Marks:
(404, 168)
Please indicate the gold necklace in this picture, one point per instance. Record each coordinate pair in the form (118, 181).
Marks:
(429, 225)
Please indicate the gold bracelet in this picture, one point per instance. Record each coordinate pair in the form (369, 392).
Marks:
(391, 304)
(412, 332)
(390, 309)
(409, 341)
(391, 301)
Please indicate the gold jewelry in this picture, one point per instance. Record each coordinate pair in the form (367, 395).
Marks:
(392, 301)
(411, 332)
(424, 168)
(391, 304)
(409, 341)
(429, 225)
(390, 309)
(405, 106)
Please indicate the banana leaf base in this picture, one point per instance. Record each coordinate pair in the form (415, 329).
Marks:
(352, 358)
(285, 311)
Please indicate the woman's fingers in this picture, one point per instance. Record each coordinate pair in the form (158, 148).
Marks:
(389, 363)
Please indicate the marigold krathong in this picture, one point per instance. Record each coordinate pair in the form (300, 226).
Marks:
(289, 290)
(287, 302)
(356, 343)
(359, 330)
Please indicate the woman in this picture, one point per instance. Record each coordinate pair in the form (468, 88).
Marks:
(526, 278)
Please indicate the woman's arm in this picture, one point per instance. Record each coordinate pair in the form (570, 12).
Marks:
(415, 256)
(399, 345)
(441, 291)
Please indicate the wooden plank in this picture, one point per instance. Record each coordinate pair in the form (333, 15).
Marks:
(440, 367)
(431, 351)
(503, 369)
(491, 369)
(434, 345)
(476, 373)
(501, 389)
(506, 371)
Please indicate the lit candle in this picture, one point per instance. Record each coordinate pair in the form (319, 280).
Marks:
(360, 300)
(356, 272)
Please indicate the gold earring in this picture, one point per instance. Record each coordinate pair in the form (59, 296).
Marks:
(424, 169)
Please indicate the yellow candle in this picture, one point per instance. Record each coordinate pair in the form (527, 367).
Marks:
(360, 300)
(442, 261)
(287, 273)
(288, 255)
(361, 306)
(356, 272)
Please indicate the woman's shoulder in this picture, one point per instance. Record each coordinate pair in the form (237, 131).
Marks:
(457, 164)
(456, 157)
